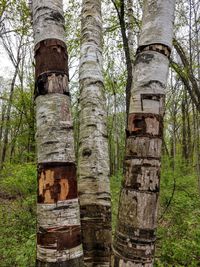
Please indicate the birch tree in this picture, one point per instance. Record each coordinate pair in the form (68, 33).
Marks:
(134, 241)
(58, 222)
(93, 167)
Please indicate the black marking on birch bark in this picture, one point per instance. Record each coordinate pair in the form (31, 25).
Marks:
(129, 157)
(56, 164)
(144, 58)
(69, 263)
(55, 15)
(60, 238)
(151, 82)
(141, 177)
(130, 239)
(134, 250)
(118, 260)
(143, 147)
(141, 124)
(138, 235)
(87, 152)
(56, 182)
(160, 48)
(91, 81)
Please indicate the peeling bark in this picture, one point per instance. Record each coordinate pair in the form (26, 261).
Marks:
(93, 167)
(58, 216)
(134, 242)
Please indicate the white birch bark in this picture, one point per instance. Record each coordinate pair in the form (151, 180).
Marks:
(134, 242)
(93, 166)
(58, 215)
(55, 141)
(55, 215)
(157, 23)
(130, 26)
(48, 20)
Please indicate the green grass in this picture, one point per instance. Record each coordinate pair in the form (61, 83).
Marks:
(18, 216)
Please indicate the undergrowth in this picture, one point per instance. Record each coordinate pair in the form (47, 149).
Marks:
(178, 242)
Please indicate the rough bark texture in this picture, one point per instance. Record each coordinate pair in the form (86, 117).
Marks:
(134, 242)
(93, 167)
(48, 20)
(157, 26)
(58, 219)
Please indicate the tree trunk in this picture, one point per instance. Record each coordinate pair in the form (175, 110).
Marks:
(120, 8)
(134, 241)
(7, 118)
(58, 221)
(130, 30)
(189, 141)
(93, 166)
(3, 110)
(184, 137)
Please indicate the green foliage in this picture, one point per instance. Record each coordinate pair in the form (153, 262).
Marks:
(115, 183)
(17, 215)
(179, 232)
(19, 180)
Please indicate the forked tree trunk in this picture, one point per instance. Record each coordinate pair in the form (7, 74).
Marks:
(134, 241)
(58, 222)
(93, 166)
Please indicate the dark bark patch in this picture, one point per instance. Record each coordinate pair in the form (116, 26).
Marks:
(87, 152)
(136, 124)
(56, 183)
(77, 262)
(141, 177)
(133, 249)
(141, 124)
(151, 82)
(52, 82)
(51, 55)
(144, 58)
(160, 48)
(57, 16)
(136, 235)
(60, 238)
(97, 233)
